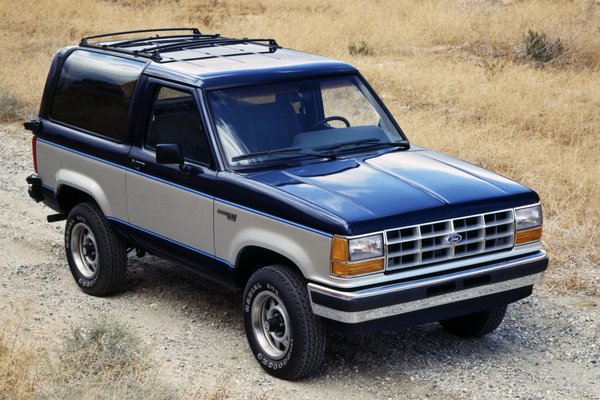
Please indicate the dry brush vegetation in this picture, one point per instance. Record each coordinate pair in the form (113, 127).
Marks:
(100, 360)
(512, 85)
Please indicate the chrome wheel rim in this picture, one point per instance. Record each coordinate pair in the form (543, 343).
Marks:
(84, 250)
(271, 324)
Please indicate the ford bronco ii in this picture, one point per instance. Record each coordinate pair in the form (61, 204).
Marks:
(278, 172)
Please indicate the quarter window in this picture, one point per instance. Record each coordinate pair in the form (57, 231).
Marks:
(94, 93)
(175, 120)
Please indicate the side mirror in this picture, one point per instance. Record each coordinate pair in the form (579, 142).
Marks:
(170, 154)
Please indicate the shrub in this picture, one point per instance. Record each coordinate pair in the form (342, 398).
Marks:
(103, 347)
(541, 49)
(361, 48)
(11, 107)
(105, 360)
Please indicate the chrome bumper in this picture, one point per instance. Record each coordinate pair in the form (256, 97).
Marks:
(353, 307)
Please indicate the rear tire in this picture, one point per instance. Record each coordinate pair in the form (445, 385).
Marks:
(286, 338)
(477, 324)
(97, 256)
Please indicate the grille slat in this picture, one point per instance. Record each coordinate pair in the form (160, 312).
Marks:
(423, 244)
(496, 223)
(403, 253)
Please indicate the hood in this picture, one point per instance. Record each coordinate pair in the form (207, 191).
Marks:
(398, 188)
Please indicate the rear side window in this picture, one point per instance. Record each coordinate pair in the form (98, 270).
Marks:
(94, 93)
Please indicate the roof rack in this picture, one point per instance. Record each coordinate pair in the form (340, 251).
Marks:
(84, 40)
(152, 47)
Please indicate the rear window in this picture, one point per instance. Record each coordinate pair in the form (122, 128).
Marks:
(94, 93)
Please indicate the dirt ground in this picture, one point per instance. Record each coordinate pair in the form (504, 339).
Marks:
(548, 346)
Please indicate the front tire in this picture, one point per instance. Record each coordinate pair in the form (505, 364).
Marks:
(97, 256)
(286, 338)
(477, 324)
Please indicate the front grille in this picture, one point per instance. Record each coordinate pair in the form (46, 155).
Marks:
(417, 245)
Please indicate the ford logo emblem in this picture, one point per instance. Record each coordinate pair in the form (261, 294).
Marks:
(452, 238)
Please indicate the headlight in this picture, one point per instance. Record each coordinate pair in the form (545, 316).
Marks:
(528, 222)
(529, 217)
(358, 256)
(366, 247)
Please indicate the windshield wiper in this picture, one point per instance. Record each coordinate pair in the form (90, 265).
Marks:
(372, 142)
(400, 144)
(354, 143)
(322, 150)
(292, 150)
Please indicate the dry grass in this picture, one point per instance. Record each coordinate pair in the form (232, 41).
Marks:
(455, 73)
(17, 364)
(97, 361)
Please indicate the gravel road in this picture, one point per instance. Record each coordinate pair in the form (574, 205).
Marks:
(547, 348)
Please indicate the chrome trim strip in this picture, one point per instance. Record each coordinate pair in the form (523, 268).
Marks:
(376, 291)
(403, 308)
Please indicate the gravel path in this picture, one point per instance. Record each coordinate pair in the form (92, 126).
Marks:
(548, 346)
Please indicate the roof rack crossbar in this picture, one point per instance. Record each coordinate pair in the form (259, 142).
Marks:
(208, 43)
(166, 39)
(208, 57)
(84, 40)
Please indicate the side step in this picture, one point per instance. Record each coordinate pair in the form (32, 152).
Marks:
(56, 217)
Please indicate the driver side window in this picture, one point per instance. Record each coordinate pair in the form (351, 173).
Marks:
(175, 120)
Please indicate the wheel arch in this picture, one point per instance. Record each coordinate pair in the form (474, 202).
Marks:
(68, 197)
(73, 188)
(252, 258)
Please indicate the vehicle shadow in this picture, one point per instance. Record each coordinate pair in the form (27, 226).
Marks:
(347, 355)
(166, 284)
(406, 350)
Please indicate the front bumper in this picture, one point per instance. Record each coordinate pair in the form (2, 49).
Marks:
(429, 299)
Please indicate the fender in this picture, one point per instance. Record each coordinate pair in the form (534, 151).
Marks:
(104, 181)
(84, 183)
(275, 243)
(309, 250)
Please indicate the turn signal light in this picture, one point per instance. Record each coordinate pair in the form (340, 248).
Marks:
(341, 265)
(344, 270)
(529, 235)
(339, 249)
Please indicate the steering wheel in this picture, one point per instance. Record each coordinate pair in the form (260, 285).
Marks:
(332, 118)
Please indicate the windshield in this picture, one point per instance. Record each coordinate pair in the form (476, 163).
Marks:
(310, 118)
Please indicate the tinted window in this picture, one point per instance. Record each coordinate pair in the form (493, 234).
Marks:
(94, 92)
(175, 120)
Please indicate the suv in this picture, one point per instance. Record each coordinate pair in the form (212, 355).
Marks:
(278, 172)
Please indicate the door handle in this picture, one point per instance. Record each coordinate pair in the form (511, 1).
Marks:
(137, 164)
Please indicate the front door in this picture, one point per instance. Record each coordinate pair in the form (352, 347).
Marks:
(170, 209)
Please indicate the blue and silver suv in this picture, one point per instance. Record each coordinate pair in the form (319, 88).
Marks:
(278, 172)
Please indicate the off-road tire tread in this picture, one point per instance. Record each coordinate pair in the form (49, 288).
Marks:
(477, 324)
(316, 333)
(290, 282)
(113, 250)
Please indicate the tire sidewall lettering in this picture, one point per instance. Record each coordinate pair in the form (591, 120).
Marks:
(248, 301)
(69, 229)
(81, 281)
(276, 364)
(273, 289)
(263, 359)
